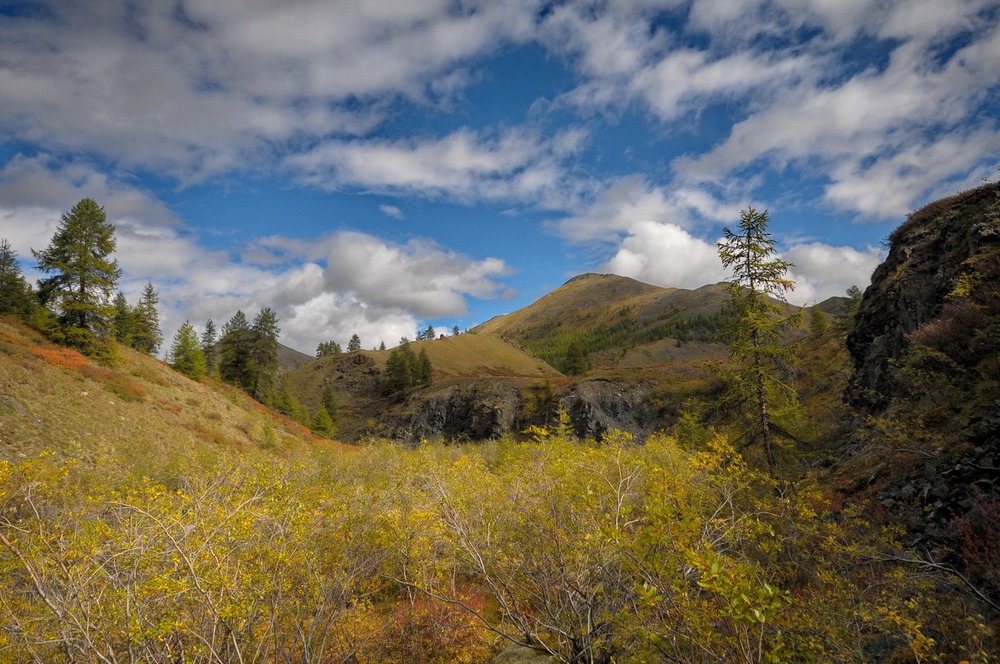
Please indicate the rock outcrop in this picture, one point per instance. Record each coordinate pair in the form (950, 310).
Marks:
(927, 256)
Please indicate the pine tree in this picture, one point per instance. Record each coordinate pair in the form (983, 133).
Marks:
(354, 344)
(423, 370)
(322, 424)
(755, 348)
(575, 362)
(264, 354)
(455, 331)
(234, 352)
(327, 348)
(147, 337)
(186, 354)
(123, 319)
(83, 278)
(398, 371)
(208, 346)
(381, 346)
(818, 324)
(16, 296)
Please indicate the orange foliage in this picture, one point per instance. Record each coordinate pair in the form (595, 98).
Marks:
(60, 357)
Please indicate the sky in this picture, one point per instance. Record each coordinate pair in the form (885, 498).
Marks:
(373, 167)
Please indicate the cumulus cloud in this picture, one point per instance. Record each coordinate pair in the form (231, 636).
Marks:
(822, 271)
(666, 255)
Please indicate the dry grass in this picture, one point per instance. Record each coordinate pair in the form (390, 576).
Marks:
(139, 412)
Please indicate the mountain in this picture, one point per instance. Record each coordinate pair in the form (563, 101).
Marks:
(618, 322)
(290, 359)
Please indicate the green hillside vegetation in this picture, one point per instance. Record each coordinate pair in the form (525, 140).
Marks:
(619, 322)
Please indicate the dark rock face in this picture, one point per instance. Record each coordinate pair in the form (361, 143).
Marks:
(594, 407)
(483, 411)
(909, 288)
(488, 410)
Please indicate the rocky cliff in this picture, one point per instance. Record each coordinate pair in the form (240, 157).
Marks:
(926, 352)
(929, 254)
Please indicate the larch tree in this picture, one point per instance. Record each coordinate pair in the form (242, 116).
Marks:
(82, 274)
(755, 347)
(354, 344)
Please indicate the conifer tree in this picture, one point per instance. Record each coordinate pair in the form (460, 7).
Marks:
(208, 346)
(327, 348)
(83, 277)
(235, 353)
(264, 354)
(354, 344)
(423, 370)
(818, 324)
(755, 348)
(576, 362)
(147, 337)
(398, 371)
(186, 354)
(322, 424)
(16, 296)
(123, 319)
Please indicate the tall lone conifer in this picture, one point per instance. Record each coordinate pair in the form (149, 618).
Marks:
(755, 347)
(83, 277)
(147, 336)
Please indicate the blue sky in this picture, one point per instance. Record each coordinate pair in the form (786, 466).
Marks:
(373, 166)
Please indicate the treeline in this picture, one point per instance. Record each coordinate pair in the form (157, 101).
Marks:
(77, 303)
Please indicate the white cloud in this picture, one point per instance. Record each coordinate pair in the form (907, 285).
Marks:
(204, 87)
(391, 211)
(666, 255)
(821, 271)
(518, 164)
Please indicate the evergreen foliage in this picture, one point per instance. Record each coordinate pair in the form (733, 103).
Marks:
(146, 337)
(123, 319)
(756, 352)
(264, 353)
(328, 403)
(16, 296)
(209, 348)
(322, 424)
(235, 358)
(575, 363)
(354, 344)
(186, 354)
(818, 324)
(286, 403)
(405, 370)
(426, 335)
(83, 277)
(327, 348)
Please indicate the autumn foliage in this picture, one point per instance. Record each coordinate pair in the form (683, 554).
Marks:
(617, 552)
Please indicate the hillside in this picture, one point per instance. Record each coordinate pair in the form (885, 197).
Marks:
(150, 418)
(458, 362)
(619, 323)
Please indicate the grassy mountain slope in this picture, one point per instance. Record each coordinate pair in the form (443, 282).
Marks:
(141, 412)
(619, 322)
